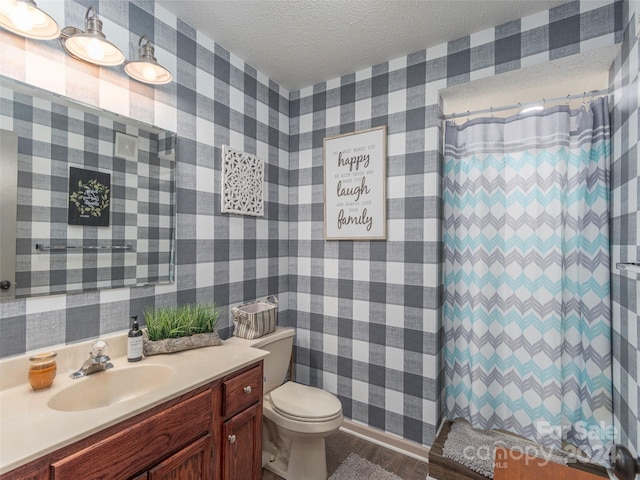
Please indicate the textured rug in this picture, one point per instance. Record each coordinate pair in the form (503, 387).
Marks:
(476, 449)
(357, 468)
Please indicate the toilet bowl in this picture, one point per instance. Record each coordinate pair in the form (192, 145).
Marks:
(296, 418)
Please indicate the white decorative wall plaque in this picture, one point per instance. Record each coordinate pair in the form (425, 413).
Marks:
(242, 179)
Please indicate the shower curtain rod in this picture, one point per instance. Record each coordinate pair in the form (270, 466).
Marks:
(592, 93)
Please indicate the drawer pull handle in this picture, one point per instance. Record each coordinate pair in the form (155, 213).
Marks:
(247, 389)
(232, 439)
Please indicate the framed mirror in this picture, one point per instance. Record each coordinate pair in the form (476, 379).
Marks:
(88, 197)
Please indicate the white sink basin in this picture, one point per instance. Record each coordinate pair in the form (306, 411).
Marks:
(115, 385)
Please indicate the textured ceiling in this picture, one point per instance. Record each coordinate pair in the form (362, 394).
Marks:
(298, 43)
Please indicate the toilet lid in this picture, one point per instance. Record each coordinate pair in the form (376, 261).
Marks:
(305, 404)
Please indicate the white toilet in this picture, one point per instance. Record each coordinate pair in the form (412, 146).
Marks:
(296, 418)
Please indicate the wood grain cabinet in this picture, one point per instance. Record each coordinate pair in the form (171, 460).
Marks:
(190, 463)
(211, 433)
(242, 426)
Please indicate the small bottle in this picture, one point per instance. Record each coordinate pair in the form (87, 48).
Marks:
(134, 342)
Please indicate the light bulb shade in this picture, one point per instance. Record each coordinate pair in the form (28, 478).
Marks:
(147, 69)
(24, 18)
(91, 45)
(148, 72)
(93, 49)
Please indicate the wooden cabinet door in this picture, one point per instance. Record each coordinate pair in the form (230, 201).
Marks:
(153, 438)
(242, 445)
(27, 473)
(191, 463)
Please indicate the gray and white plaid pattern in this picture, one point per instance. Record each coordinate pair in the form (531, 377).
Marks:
(54, 136)
(216, 99)
(367, 313)
(625, 235)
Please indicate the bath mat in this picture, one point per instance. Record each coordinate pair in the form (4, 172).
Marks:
(357, 468)
(476, 449)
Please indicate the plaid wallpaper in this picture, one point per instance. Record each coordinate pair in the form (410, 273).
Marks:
(215, 99)
(368, 314)
(624, 233)
(54, 136)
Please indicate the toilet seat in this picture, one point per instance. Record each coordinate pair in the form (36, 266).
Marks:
(305, 404)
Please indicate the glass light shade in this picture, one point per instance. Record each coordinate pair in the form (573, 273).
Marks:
(147, 69)
(91, 45)
(24, 18)
(93, 49)
(148, 72)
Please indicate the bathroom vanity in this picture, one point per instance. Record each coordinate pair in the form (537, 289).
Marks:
(203, 422)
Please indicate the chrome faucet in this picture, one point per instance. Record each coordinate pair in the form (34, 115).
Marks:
(98, 361)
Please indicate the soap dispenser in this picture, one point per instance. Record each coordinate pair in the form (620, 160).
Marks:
(134, 342)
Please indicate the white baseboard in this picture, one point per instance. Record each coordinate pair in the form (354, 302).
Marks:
(386, 440)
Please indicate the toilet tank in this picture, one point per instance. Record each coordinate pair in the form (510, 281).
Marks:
(276, 364)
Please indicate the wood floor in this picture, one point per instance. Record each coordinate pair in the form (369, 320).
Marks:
(341, 444)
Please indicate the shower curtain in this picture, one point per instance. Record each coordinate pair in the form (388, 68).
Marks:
(526, 275)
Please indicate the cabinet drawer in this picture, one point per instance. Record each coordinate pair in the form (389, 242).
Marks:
(126, 453)
(242, 391)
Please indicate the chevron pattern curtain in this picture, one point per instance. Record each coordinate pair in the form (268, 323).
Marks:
(526, 245)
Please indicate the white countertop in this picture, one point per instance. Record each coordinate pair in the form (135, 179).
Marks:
(30, 429)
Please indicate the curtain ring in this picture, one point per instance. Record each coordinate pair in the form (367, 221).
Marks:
(491, 112)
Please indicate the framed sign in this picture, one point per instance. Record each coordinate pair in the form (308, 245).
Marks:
(89, 197)
(355, 178)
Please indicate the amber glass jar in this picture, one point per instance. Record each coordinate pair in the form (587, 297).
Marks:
(42, 370)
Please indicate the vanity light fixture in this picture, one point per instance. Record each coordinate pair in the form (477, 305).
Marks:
(146, 68)
(91, 45)
(24, 18)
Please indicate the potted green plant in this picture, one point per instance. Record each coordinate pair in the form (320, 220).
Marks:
(173, 329)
